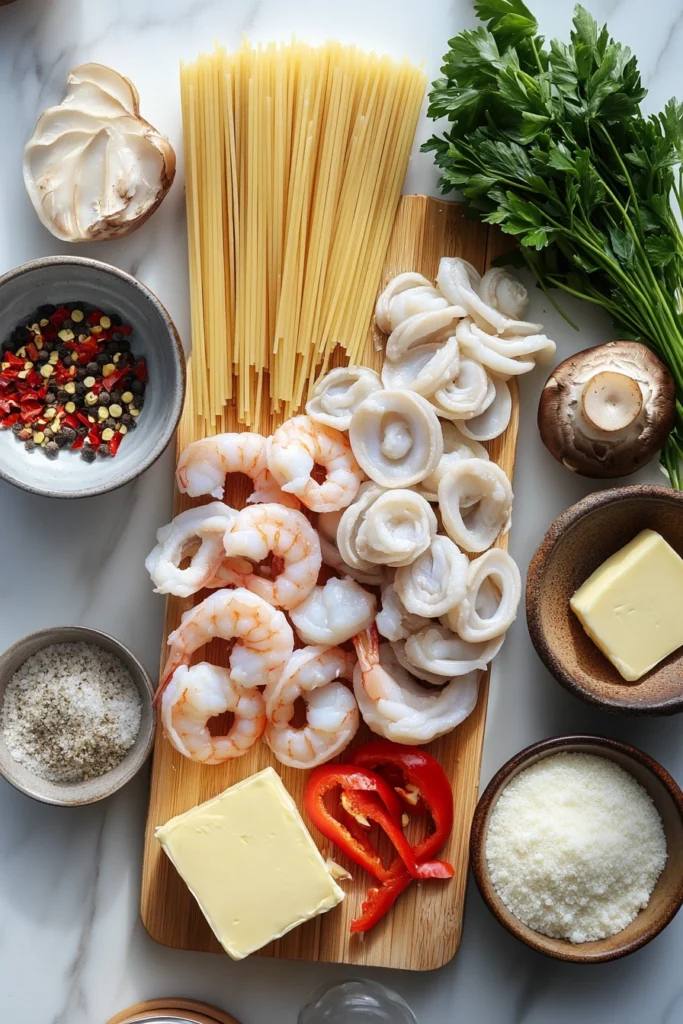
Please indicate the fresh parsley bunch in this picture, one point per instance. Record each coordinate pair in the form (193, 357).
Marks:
(550, 144)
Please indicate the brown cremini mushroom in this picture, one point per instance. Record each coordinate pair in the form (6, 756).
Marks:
(606, 411)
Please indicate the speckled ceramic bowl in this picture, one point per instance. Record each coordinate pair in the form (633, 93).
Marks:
(575, 545)
(72, 279)
(667, 896)
(73, 794)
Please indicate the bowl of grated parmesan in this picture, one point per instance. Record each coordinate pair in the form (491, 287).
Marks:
(76, 716)
(577, 848)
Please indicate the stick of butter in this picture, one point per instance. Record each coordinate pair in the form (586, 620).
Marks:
(631, 605)
(251, 864)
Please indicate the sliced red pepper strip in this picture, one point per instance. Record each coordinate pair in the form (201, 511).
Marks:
(327, 779)
(10, 420)
(113, 379)
(421, 770)
(379, 902)
(141, 370)
(31, 351)
(367, 806)
(78, 443)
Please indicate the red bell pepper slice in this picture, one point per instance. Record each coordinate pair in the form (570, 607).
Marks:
(379, 902)
(141, 370)
(10, 420)
(419, 775)
(32, 351)
(348, 836)
(422, 783)
(78, 443)
(366, 807)
(60, 315)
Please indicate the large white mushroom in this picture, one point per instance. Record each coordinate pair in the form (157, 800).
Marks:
(607, 411)
(94, 168)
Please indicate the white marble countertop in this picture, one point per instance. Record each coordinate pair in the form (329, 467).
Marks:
(72, 950)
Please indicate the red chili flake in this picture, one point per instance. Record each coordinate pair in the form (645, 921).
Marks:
(141, 370)
(9, 357)
(32, 351)
(71, 421)
(10, 420)
(94, 318)
(62, 374)
(82, 418)
(94, 436)
(78, 443)
(60, 315)
(124, 329)
(114, 377)
(30, 411)
(34, 379)
(115, 442)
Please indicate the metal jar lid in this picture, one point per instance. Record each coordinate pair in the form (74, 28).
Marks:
(173, 1011)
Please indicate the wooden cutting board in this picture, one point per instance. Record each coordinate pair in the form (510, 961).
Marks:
(423, 930)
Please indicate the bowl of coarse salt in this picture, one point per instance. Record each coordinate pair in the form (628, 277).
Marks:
(577, 848)
(76, 716)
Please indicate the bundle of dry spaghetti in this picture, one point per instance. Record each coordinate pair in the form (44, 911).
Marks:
(295, 157)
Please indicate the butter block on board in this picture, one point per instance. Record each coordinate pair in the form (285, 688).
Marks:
(632, 605)
(251, 864)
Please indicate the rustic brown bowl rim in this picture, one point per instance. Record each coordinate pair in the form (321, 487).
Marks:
(555, 533)
(479, 832)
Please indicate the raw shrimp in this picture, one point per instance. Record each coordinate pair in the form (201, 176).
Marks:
(297, 446)
(332, 718)
(193, 696)
(205, 464)
(395, 706)
(270, 528)
(264, 638)
(334, 613)
(198, 534)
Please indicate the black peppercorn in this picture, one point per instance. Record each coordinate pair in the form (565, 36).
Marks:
(88, 454)
(50, 398)
(43, 356)
(104, 397)
(68, 433)
(138, 387)
(127, 419)
(63, 397)
(102, 359)
(17, 428)
(29, 445)
(61, 440)
(81, 431)
(115, 319)
(52, 449)
(115, 397)
(80, 387)
(103, 450)
(46, 310)
(68, 360)
(92, 368)
(63, 351)
(110, 423)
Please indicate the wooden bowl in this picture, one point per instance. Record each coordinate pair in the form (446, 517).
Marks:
(667, 896)
(575, 545)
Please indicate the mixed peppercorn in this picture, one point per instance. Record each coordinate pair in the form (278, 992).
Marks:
(68, 379)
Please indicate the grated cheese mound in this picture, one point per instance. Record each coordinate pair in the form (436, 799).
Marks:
(575, 846)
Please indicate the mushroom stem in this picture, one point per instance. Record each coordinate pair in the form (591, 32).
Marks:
(611, 401)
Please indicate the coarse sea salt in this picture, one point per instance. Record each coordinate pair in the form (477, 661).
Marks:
(71, 712)
(575, 846)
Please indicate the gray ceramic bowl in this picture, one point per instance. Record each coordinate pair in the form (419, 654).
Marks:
(73, 794)
(60, 279)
